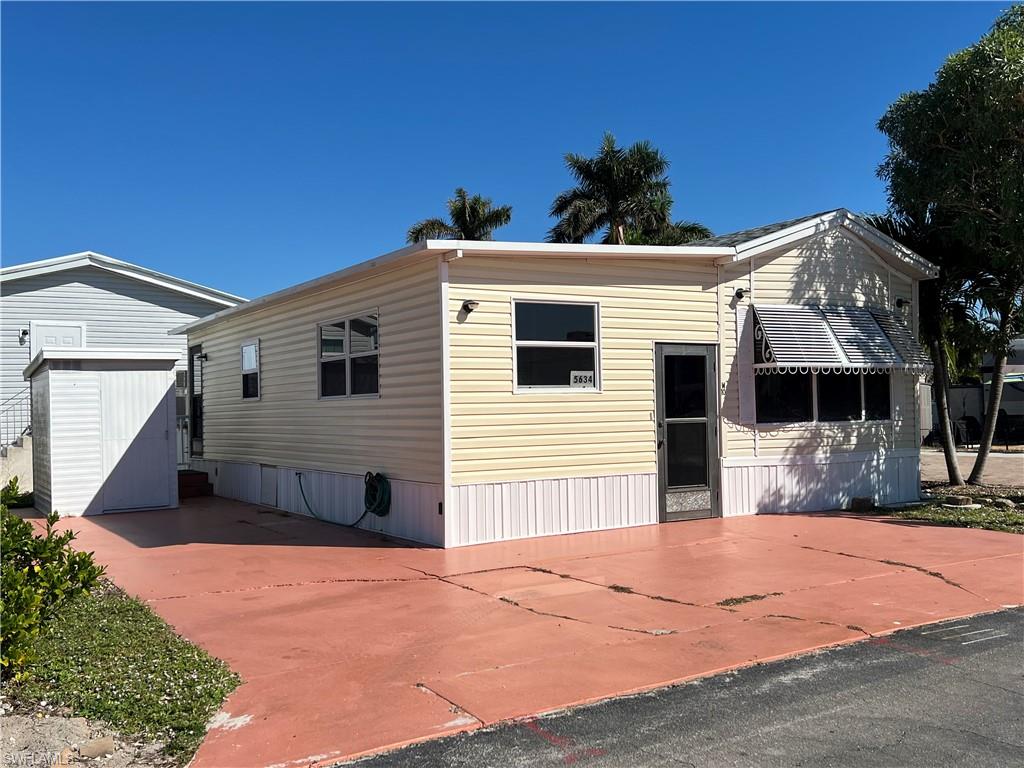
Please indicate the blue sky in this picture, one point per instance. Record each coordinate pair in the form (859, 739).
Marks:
(251, 146)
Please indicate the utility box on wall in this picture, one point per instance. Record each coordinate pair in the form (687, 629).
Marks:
(103, 427)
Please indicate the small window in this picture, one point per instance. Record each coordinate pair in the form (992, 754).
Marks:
(877, 404)
(783, 397)
(348, 356)
(556, 345)
(251, 370)
(838, 396)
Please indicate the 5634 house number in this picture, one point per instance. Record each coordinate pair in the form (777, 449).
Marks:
(581, 378)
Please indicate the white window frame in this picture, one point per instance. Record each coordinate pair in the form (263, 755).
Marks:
(595, 345)
(815, 421)
(347, 356)
(243, 371)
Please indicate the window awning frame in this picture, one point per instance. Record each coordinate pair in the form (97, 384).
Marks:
(812, 338)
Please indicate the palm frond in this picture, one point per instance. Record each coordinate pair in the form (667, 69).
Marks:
(431, 229)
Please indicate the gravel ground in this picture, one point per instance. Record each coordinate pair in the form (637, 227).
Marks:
(44, 739)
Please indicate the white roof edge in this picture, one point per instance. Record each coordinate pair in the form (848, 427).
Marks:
(99, 260)
(101, 353)
(480, 247)
(579, 250)
(839, 217)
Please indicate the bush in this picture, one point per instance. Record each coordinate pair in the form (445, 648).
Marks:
(39, 574)
(12, 496)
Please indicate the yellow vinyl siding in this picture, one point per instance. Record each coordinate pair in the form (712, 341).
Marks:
(398, 433)
(831, 268)
(498, 434)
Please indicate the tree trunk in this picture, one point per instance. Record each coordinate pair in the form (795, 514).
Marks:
(939, 369)
(995, 397)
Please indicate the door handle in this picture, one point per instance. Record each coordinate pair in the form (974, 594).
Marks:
(661, 433)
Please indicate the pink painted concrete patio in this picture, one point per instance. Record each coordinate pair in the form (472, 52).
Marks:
(350, 644)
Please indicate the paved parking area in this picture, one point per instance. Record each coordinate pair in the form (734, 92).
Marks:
(1001, 469)
(882, 702)
(349, 643)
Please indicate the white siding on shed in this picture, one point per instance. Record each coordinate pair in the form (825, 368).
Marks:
(106, 437)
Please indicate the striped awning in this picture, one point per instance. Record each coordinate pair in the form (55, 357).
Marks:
(806, 337)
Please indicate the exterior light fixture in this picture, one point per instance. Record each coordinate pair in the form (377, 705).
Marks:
(469, 305)
(741, 293)
(901, 303)
(23, 337)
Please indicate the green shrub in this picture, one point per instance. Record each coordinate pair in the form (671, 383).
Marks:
(12, 496)
(39, 574)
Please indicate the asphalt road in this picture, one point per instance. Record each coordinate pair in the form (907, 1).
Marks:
(943, 695)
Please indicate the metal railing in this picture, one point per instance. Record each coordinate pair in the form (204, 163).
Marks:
(181, 433)
(15, 416)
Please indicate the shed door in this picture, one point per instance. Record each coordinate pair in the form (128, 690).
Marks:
(687, 431)
(138, 455)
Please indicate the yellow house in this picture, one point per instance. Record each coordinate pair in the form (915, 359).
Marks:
(509, 390)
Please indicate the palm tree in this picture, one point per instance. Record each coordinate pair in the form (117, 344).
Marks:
(470, 218)
(947, 313)
(672, 233)
(623, 192)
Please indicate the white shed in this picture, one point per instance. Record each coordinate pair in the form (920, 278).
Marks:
(103, 427)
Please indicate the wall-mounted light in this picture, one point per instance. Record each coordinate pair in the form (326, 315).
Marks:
(740, 293)
(901, 303)
(202, 356)
(23, 337)
(469, 305)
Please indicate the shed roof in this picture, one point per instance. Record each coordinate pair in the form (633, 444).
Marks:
(127, 269)
(93, 354)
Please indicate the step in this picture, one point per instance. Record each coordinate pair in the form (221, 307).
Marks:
(192, 483)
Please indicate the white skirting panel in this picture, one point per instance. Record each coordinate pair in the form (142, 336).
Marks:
(333, 496)
(519, 509)
(815, 483)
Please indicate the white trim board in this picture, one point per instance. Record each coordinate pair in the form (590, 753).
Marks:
(817, 458)
(123, 268)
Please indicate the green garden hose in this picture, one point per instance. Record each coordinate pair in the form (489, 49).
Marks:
(376, 497)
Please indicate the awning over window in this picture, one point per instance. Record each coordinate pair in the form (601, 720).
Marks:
(803, 337)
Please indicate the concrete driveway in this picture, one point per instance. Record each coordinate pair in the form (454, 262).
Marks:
(350, 644)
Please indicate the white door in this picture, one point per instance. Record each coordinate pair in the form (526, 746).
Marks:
(136, 440)
(50, 335)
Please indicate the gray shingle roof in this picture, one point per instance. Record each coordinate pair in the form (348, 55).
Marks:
(745, 235)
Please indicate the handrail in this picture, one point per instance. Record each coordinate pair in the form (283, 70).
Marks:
(15, 416)
(23, 393)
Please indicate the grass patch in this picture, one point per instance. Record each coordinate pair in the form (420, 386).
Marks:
(989, 518)
(107, 656)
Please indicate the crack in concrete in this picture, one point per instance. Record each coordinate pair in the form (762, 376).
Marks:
(455, 708)
(284, 585)
(823, 622)
(622, 589)
(537, 611)
(898, 564)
